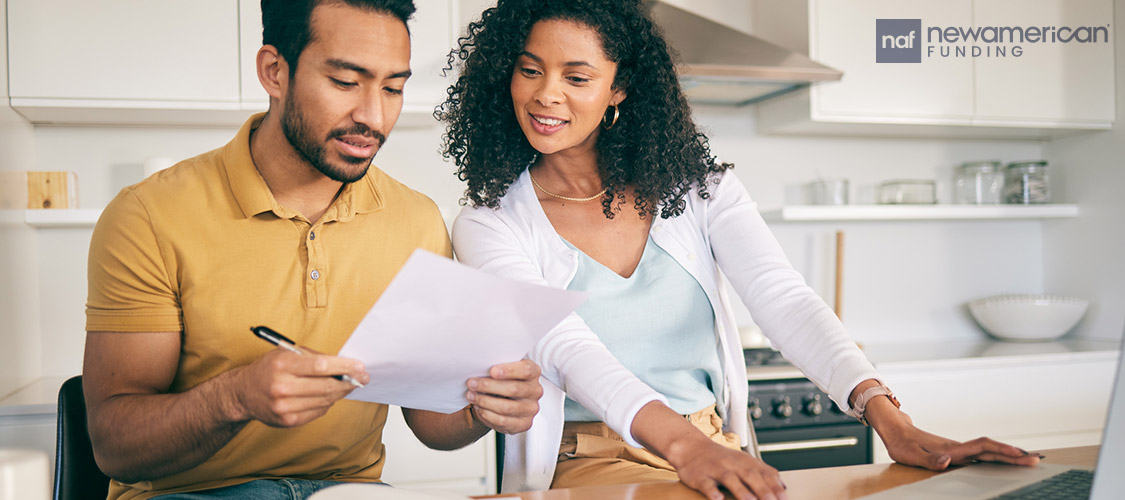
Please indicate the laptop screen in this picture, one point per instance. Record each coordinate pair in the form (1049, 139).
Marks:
(1109, 482)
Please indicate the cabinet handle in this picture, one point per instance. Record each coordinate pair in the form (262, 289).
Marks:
(812, 444)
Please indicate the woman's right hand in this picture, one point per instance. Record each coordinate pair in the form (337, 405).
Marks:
(701, 463)
(705, 465)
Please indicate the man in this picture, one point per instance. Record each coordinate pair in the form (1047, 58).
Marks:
(286, 226)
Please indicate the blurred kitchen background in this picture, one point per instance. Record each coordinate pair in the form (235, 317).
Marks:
(102, 89)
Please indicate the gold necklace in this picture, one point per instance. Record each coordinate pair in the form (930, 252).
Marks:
(561, 197)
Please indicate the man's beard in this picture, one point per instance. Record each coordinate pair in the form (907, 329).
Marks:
(300, 136)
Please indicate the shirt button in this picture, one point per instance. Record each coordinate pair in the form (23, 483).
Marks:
(315, 275)
(312, 235)
(691, 257)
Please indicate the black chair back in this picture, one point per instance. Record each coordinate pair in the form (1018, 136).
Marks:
(77, 476)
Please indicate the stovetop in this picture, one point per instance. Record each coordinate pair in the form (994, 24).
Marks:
(764, 356)
(768, 364)
(781, 397)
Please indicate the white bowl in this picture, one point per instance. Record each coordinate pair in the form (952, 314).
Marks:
(1028, 318)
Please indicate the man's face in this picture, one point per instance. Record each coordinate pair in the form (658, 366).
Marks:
(347, 91)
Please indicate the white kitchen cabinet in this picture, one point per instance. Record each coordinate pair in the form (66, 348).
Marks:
(936, 92)
(174, 62)
(124, 49)
(1048, 90)
(28, 417)
(470, 470)
(124, 54)
(30, 430)
(1051, 83)
(1036, 402)
(432, 35)
(254, 97)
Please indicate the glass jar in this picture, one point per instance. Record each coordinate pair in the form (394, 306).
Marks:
(1025, 182)
(907, 192)
(829, 192)
(978, 183)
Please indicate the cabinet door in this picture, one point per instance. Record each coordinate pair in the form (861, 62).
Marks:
(431, 39)
(1035, 405)
(1050, 81)
(249, 41)
(124, 49)
(934, 91)
(470, 470)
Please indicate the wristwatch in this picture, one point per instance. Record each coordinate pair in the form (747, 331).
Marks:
(860, 407)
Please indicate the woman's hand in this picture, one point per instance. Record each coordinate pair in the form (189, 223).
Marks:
(909, 445)
(705, 465)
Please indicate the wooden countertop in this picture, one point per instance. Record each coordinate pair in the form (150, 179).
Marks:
(831, 483)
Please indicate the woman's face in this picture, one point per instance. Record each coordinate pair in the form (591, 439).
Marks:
(562, 85)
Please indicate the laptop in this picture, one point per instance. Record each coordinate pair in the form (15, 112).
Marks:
(986, 481)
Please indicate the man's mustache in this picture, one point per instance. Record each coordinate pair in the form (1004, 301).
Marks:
(359, 129)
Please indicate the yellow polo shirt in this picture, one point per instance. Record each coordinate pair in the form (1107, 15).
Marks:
(203, 248)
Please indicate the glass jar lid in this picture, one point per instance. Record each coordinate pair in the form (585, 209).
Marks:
(1028, 164)
(981, 165)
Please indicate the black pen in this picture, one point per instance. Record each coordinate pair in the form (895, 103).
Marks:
(266, 333)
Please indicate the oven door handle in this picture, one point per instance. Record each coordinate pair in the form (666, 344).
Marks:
(811, 444)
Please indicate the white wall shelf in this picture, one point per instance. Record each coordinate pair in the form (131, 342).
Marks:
(818, 213)
(87, 217)
(62, 218)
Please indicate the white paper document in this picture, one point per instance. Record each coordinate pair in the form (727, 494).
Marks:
(440, 323)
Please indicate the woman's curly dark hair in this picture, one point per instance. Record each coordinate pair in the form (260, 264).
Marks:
(654, 146)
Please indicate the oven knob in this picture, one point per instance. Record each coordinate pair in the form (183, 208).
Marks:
(755, 410)
(782, 408)
(812, 405)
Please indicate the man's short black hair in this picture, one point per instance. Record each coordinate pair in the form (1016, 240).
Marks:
(286, 23)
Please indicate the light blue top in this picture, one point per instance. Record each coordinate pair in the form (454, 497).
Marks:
(658, 323)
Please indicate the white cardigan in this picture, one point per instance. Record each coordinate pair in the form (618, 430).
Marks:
(725, 231)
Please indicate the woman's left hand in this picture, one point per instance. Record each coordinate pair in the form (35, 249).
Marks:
(909, 445)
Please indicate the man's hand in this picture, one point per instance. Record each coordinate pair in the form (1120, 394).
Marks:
(141, 431)
(508, 399)
(285, 389)
(705, 465)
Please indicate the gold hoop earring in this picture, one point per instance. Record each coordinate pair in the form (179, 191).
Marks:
(616, 114)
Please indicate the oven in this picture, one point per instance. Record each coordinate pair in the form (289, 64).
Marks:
(797, 425)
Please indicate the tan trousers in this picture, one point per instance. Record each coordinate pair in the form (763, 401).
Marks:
(591, 454)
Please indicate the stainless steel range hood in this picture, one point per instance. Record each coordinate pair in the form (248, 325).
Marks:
(721, 65)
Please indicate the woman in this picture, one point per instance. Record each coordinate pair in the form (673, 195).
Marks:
(585, 171)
